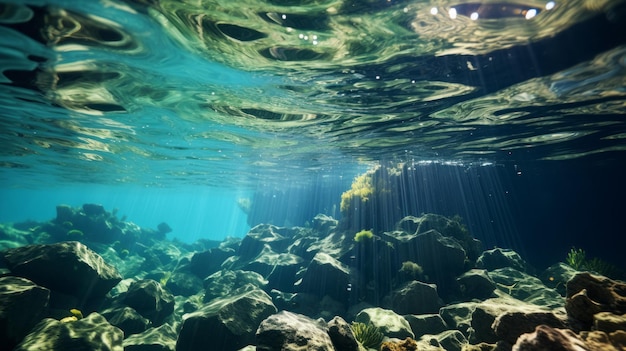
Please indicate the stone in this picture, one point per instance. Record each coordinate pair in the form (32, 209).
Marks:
(224, 282)
(601, 341)
(287, 331)
(94, 210)
(501, 258)
(184, 284)
(510, 325)
(279, 269)
(205, 263)
(127, 319)
(341, 335)
(68, 267)
(388, 322)
(90, 333)
(22, 305)
(449, 340)
(440, 256)
(609, 322)
(426, 324)
(556, 277)
(459, 315)
(326, 276)
(525, 287)
(476, 284)
(227, 323)
(548, 338)
(253, 243)
(415, 298)
(149, 299)
(162, 338)
(407, 344)
(588, 294)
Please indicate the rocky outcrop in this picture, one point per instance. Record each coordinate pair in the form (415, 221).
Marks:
(149, 299)
(286, 331)
(67, 267)
(22, 305)
(415, 298)
(588, 294)
(90, 333)
(228, 323)
(326, 276)
(162, 338)
(388, 322)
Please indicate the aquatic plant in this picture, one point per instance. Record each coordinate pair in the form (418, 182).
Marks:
(576, 258)
(411, 270)
(363, 236)
(361, 190)
(367, 334)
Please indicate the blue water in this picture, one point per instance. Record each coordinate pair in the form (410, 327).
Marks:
(175, 112)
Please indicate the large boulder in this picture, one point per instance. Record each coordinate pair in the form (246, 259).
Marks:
(326, 276)
(227, 323)
(439, 255)
(547, 338)
(388, 322)
(588, 294)
(127, 319)
(500, 258)
(162, 338)
(22, 305)
(149, 299)
(279, 269)
(415, 298)
(261, 235)
(341, 335)
(287, 331)
(67, 267)
(90, 333)
(224, 282)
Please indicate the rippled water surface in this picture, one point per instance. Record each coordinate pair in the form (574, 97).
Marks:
(226, 92)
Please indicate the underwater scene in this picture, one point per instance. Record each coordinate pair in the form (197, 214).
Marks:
(324, 175)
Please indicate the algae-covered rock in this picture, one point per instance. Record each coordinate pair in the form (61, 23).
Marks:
(290, 331)
(90, 333)
(230, 322)
(501, 258)
(162, 338)
(22, 305)
(588, 294)
(149, 299)
(68, 267)
(390, 324)
(415, 298)
(326, 276)
(426, 324)
(224, 282)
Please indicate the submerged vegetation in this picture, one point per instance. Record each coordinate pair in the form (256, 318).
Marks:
(367, 334)
(577, 259)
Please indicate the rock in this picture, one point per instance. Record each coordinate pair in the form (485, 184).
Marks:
(90, 333)
(588, 294)
(227, 323)
(476, 284)
(184, 284)
(323, 224)
(205, 263)
(426, 324)
(510, 325)
(608, 322)
(127, 319)
(22, 305)
(253, 243)
(287, 331)
(407, 344)
(67, 267)
(326, 276)
(459, 316)
(162, 338)
(557, 276)
(278, 268)
(501, 258)
(449, 340)
(525, 287)
(415, 298)
(547, 338)
(149, 299)
(223, 283)
(388, 322)
(341, 335)
(601, 341)
(440, 256)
